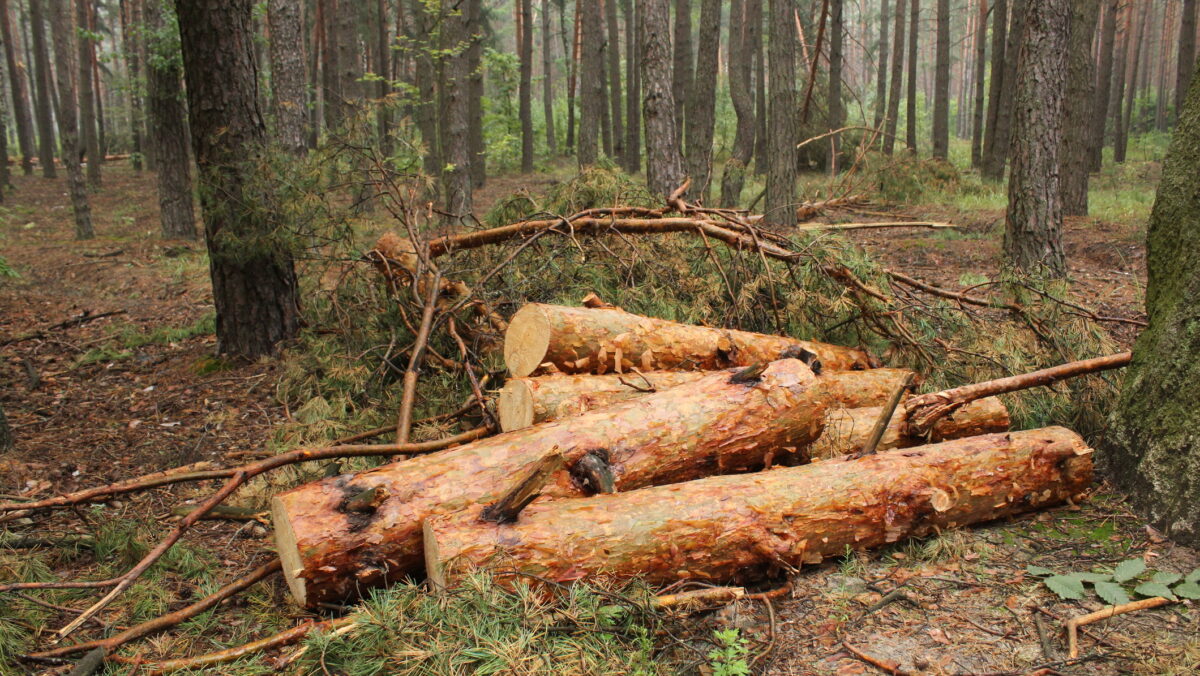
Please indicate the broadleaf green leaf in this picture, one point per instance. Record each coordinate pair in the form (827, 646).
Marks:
(1127, 570)
(1038, 571)
(1092, 577)
(1193, 576)
(1112, 593)
(1155, 589)
(1065, 586)
(1162, 577)
(1188, 590)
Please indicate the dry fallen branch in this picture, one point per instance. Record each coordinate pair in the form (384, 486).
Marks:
(1075, 623)
(933, 225)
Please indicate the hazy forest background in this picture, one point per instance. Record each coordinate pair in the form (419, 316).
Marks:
(194, 271)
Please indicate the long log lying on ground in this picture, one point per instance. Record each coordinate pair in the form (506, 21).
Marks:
(847, 429)
(342, 534)
(742, 526)
(598, 340)
(527, 401)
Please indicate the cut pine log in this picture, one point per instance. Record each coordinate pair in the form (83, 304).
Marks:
(711, 426)
(528, 401)
(601, 340)
(742, 527)
(847, 429)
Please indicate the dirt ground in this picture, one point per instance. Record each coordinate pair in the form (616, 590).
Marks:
(94, 400)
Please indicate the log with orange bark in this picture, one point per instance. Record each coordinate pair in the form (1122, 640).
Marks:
(344, 534)
(527, 401)
(741, 527)
(847, 429)
(601, 340)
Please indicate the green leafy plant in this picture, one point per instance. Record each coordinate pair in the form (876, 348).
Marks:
(1116, 586)
(730, 658)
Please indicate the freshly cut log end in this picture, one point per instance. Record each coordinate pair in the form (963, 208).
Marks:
(847, 429)
(711, 426)
(514, 405)
(742, 527)
(601, 340)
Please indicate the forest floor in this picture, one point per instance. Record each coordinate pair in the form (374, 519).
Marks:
(139, 390)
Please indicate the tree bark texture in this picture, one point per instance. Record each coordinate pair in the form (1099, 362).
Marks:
(836, 117)
(996, 154)
(712, 426)
(847, 429)
(44, 89)
(681, 69)
(941, 85)
(745, 18)
(591, 80)
(131, 50)
(548, 81)
(701, 118)
(475, 144)
(525, 85)
(1078, 111)
(65, 55)
(89, 137)
(1186, 66)
(1153, 448)
(425, 111)
(289, 79)
(910, 101)
(20, 92)
(996, 80)
(979, 84)
(745, 526)
(881, 65)
(632, 160)
(893, 106)
(1104, 81)
(599, 340)
(664, 163)
(1116, 104)
(168, 124)
(457, 187)
(780, 209)
(254, 282)
(1033, 223)
(612, 52)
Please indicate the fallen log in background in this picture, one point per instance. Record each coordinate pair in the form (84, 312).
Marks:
(742, 526)
(846, 429)
(599, 340)
(527, 401)
(342, 534)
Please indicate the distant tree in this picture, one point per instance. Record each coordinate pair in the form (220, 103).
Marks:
(702, 107)
(525, 86)
(836, 115)
(45, 86)
(980, 85)
(881, 65)
(664, 163)
(893, 107)
(5, 172)
(761, 149)
(681, 71)
(87, 91)
(914, 10)
(457, 185)
(612, 52)
(1104, 83)
(995, 154)
(474, 43)
(425, 110)
(1187, 53)
(1136, 47)
(168, 121)
(996, 81)
(548, 81)
(745, 16)
(572, 51)
(20, 92)
(633, 89)
(1033, 224)
(289, 79)
(68, 130)
(131, 22)
(780, 207)
(1116, 105)
(591, 76)
(1077, 113)
(941, 83)
(253, 278)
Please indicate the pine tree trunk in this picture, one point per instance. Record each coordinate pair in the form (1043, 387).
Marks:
(525, 86)
(591, 79)
(547, 81)
(1121, 149)
(847, 430)
(1187, 53)
(478, 152)
(1117, 106)
(425, 112)
(20, 92)
(1077, 114)
(836, 117)
(98, 83)
(914, 10)
(457, 186)
(702, 106)
(745, 16)
(980, 83)
(1152, 450)
(5, 171)
(45, 90)
(384, 69)
(995, 158)
(893, 107)
(612, 50)
(130, 17)
(90, 142)
(681, 70)
(881, 66)
(996, 80)
(664, 164)
(254, 283)
(65, 54)
(1104, 71)
(335, 115)
(348, 68)
(572, 68)
(761, 155)
(606, 139)
(633, 89)
(1033, 224)
(941, 86)
(169, 126)
(289, 81)
(780, 209)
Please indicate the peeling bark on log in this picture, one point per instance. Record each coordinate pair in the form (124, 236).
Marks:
(847, 429)
(528, 401)
(585, 340)
(741, 527)
(711, 426)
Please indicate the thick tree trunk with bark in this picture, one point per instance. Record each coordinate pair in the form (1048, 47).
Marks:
(525, 85)
(1186, 65)
(996, 80)
(941, 85)
(20, 92)
(664, 163)
(881, 65)
(591, 79)
(1153, 446)
(45, 90)
(254, 282)
(681, 69)
(600, 340)
(745, 18)
(289, 79)
(713, 426)
(995, 155)
(65, 54)
(780, 209)
(749, 525)
(528, 401)
(914, 12)
(893, 106)
(425, 111)
(168, 125)
(836, 117)
(701, 117)
(548, 81)
(89, 137)
(457, 186)
(980, 84)
(1104, 80)
(847, 429)
(1077, 112)
(1033, 224)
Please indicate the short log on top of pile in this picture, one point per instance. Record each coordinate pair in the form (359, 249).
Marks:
(849, 428)
(605, 339)
(527, 401)
(343, 534)
(743, 526)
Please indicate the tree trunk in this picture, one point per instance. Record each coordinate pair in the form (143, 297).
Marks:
(130, 17)
(587, 340)
(612, 50)
(65, 55)
(1117, 105)
(893, 107)
(836, 117)
(1077, 113)
(254, 282)
(780, 210)
(996, 156)
(6, 435)
(591, 77)
(761, 155)
(87, 92)
(387, 74)
(20, 92)
(1187, 53)
(664, 164)
(910, 101)
(996, 80)
(349, 69)
(45, 87)
(478, 152)
(881, 66)
(713, 426)
(525, 87)
(1152, 450)
(1139, 38)
(5, 172)
(980, 83)
(702, 106)
(941, 86)
(742, 527)
(547, 81)
(425, 112)
(528, 401)
(1033, 225)
(848, 429)
(289, 80)
(681, 71)
(457, 187)
(330, 82)
(633, 89)
(745, 16)
(168, 125)
(1104, 82)
(572, 68)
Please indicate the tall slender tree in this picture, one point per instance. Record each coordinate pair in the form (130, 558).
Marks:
(1033, 224)
(475, 144)
(761, 150)
(1104, 82)
(681, 72)
(65, 55)
(20, 92)
(87, 92)
(548, 81)
(572, 52)
(781, 116)
(914, 10)
(980, 84)
(168, 121)
(996, 155)
(1187, 52)
(5, 172)
(837, 27)
(289, 79)
(893, 108)
(1131, 90)
(591, 76)
(130, 35)
(941, 83)
(702, 116)
(425, 110)
(996, 80)
(664, 162)
(525, 86)
(633, 88)
(1121, 65)
(742, 17)
(612, 50)
(881, 65)
(44, 90)
(1077, 111)
(457, 184)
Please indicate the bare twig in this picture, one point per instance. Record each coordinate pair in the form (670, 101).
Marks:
(885, 416)
(1075, 623)
(404, 423)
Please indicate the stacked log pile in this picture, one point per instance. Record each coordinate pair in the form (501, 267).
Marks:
(641, 447)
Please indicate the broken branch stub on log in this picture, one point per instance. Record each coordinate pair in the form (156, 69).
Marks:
(600, 340)
(741, 527)
(847, 429)
(711, 426)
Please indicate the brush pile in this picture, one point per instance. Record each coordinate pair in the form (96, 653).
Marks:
(640, 447)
